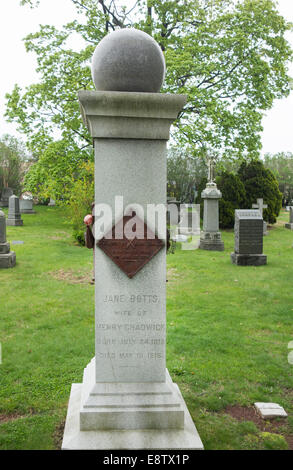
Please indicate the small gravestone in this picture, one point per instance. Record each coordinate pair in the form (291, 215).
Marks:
(5, 195)
(26, 206)
(290, 224)
(261, 206)
(52, 202)
(7, 257)
(270, 410)
(248, 231)
(14, 216)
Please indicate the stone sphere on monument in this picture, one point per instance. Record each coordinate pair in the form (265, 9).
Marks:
(128, 60)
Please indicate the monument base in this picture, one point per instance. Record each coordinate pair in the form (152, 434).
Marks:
(27, 211)
(4, 248)
(248, 260)
(75, 439)
(7, 260)
(211, 241)
(14, 222)
(289, 226)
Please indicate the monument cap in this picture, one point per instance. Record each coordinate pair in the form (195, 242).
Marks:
(128, 60)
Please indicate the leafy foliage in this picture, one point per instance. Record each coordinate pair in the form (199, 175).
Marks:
(233, 197)
(12, 158)
(259, 182)
(184, 174)
(56, 171)
(281, 164)
(81, 199)
(229, 58)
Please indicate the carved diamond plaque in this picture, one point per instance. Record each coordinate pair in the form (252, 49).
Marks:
(131, 253)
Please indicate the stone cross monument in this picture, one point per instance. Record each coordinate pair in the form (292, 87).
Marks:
(127, 399)
(7, 257)
(210, 238)
(261, 206)
(290, 224)
(14, 216)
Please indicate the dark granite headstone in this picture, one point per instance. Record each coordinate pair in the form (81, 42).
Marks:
(248, 230)
(7, 257)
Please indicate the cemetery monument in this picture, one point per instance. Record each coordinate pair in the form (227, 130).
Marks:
(26, 206)
(14, 216)
(127, 399)
(5, 195)
(248, 232)
(260, 206)
(210, 238)
(7, 257)
(290, 224)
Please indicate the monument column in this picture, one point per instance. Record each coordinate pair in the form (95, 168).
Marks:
(210, 238)
(126, 386)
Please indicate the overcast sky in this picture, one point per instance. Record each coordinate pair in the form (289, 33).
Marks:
(18, 66)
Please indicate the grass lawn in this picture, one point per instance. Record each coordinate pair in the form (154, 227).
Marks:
(228, 329)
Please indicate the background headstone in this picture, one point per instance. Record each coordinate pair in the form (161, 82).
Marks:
(248, 232)
(26, 206)
(7, 257)
(5, 195)
(261, 206)
(14, 216)
(52, 202)
(210, 238)
(290, 224)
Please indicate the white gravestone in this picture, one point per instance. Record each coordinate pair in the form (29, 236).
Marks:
(127, 399)
(261, 206)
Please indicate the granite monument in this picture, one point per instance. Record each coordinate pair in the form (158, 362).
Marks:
(248, 232)
(7, 257)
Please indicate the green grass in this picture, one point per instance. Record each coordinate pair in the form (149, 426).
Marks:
(228, 329)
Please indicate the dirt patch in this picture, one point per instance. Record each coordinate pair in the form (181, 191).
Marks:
(5, 418)
(73, 277)
(58, 435)
(172, 275)
(249, 413)
(60, 236)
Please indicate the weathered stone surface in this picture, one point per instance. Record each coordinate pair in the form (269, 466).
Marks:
(290, 224)
(14, 216)
(74, 438)
(127, 386)
(7, 258)
(5, 195)
(26, 206)
(210, 238)
(128, 60)
(248, 230)
(270, 410)
(248, 260)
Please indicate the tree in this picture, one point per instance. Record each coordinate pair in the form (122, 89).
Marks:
(184, 175)
(260, 182)
(56, 171)
(12, 159)
(281, 164)
(233, 197)
(229, 57)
